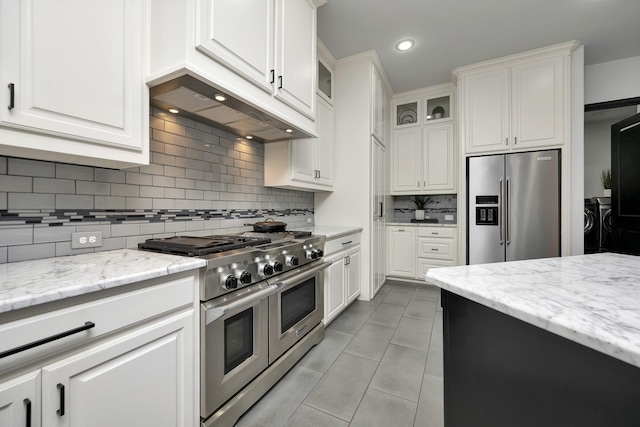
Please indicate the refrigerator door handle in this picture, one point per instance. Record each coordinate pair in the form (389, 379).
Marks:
(508, 206)
(501, 210)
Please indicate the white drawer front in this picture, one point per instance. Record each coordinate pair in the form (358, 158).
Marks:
(436, 232)
(344, 242)
(108, 314)
(435, 248)
(425, 264)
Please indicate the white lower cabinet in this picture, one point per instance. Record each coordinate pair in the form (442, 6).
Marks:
(113, 374)
(134, 380)
(401, 251)
(414, 250)
(20, 401)
(342, 278)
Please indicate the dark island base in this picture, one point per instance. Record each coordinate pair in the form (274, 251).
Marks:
(500, 371)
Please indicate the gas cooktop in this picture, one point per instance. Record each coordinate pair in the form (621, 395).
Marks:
(199, 246)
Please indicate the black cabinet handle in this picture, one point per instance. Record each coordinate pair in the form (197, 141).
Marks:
(280, 80)
(347, 243)
(60, 411)
(27, 404)
(87, 325)
(273, 76)
(11, 96)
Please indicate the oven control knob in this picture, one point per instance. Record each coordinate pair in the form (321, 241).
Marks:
(230, 282)
(292, 261)
(320, 253)
(267, 270)
(277, 266)
(312, 254)
(245, 277)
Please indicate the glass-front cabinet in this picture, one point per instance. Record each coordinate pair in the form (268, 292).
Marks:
(438, 109)
(407, 114)
(424, 110)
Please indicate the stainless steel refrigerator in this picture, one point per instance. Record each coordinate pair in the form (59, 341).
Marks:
(513, 206)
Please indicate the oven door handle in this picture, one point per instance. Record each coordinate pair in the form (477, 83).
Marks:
(213, 314)
(295, 276)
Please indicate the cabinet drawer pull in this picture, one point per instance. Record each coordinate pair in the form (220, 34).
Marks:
(506, 141)
(87, 325)
(280, 82)
(515, 140)
(435, 233)
(401, 229)
(60, 411)
(347, 243)
(273, 76)
(435, 249)
(27, 404)
(11, 96)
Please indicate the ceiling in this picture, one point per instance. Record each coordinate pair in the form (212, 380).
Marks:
(452, 33)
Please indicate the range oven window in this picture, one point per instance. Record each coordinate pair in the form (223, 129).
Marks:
(298, 302)
(238, 339)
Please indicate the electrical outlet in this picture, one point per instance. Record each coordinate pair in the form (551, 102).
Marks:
(448, 217)
(86, 239)
(308, 220)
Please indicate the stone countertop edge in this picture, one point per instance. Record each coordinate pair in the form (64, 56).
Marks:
(29, 283)
(331, 231)
(593, 300)
(424, 224)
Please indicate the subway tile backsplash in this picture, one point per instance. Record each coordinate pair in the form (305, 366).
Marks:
(201, 180)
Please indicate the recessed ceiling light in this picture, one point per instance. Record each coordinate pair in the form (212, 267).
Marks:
(207, 145)
(249, 137)
(174, 110)
(219, 97)
(288, 130)
(406, 44)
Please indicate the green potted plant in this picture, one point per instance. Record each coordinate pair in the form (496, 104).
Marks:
(437, 112)
(420, 203)
(605, 178)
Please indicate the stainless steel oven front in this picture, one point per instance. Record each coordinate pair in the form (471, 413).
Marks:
(233, 343)
(296, 308)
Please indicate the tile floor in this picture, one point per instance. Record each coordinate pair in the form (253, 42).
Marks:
(380, 364)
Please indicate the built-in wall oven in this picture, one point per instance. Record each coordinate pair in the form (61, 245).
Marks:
(261, 311)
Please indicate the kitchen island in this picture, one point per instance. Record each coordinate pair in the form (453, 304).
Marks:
(547, 342)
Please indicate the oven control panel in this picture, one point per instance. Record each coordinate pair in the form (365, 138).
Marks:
(226, 272)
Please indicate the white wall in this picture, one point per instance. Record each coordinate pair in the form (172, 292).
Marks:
(612, 80)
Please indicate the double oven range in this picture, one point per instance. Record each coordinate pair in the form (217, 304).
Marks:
(261, 310)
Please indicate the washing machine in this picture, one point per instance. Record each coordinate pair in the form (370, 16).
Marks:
(590, 227)
(603, 219)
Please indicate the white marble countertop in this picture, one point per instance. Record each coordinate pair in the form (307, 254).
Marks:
(593, 299)
(331, 231)
(29, 283)
(423, 224)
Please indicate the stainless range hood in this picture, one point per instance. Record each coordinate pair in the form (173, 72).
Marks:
(195, 100)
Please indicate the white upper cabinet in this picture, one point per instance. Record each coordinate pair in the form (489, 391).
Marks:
(406, 160)
(515, 103)
(296, 54)
(312, 159)
(73, 81)
(537, 101)
(303, 164)
(438, 158)
(271, 43)
(307, 164)
(225, 36)
(424, 160)
(379, 108)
